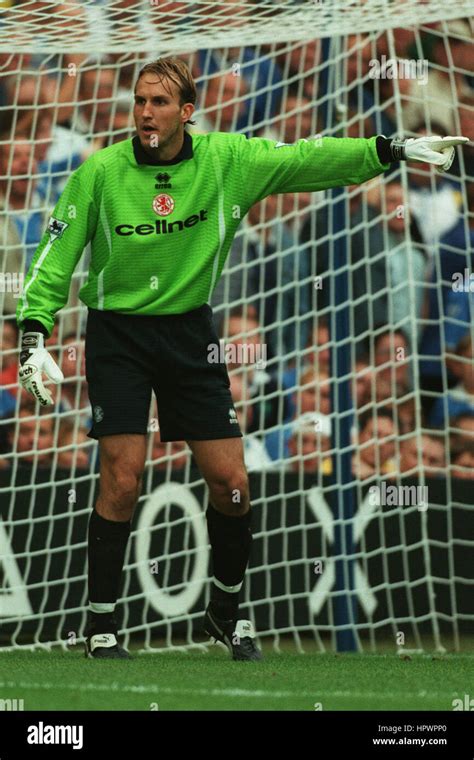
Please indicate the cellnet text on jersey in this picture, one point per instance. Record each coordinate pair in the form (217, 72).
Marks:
(161, 225)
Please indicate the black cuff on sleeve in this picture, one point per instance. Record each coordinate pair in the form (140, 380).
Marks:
(384, 150)
(32, 325)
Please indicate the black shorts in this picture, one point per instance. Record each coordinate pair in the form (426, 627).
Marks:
(129, 355)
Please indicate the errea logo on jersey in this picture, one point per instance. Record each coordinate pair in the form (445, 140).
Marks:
(161, 226)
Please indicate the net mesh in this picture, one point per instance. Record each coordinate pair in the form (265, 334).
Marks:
(275, 70)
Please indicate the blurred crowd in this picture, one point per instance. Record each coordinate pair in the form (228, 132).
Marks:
(409, 239)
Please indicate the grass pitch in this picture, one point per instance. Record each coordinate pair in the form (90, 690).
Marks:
(198, 680)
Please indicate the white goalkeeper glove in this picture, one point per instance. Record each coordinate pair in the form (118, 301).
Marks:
(35, 359)
(431, 150)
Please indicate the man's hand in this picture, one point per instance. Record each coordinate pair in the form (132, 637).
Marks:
(431, 150)
(35, 359)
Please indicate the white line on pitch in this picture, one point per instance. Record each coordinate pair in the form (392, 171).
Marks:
(260, 693)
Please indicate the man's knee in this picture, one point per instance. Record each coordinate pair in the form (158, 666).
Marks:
(230, 490)
(122, 486)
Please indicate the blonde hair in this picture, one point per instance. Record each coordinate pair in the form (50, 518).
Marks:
(179, 73)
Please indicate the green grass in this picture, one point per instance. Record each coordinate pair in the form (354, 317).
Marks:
(197, 680)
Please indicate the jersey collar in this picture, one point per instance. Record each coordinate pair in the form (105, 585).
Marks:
(142, 157)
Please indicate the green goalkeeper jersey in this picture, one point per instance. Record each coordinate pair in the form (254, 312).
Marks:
(159, 232)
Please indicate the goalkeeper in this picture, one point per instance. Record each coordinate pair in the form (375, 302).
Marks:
(160, 211)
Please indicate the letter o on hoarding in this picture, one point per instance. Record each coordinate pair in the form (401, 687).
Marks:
(180, 496)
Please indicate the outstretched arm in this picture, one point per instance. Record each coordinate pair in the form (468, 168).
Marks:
(319, 163)
(431, 150)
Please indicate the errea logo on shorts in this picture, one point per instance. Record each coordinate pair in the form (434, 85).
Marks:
(233, 417)
(98, 414)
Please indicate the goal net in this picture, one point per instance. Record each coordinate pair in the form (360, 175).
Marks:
(345, 319)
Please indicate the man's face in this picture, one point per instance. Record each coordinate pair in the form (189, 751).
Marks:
(243, 332)
(76, 455)
(220, 96)
(316, 396)
(26, 438)
(23, 166)
(264, 211)
(298, 124)
(360, 51)
(406, 416)
(464, 429)
(464, 460)
(460, 52)
(97, 88)
(303, 58)
(244, 327)
(9, 62)
(431, 455)
(309, 446)
(409, 454)
(381, 441)
(363, 382)
(157, 112)
(391, 350)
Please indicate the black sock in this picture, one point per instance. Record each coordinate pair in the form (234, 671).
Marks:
(231, 540)
(107, 541)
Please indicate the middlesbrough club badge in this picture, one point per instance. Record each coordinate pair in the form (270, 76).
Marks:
(163, 204)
